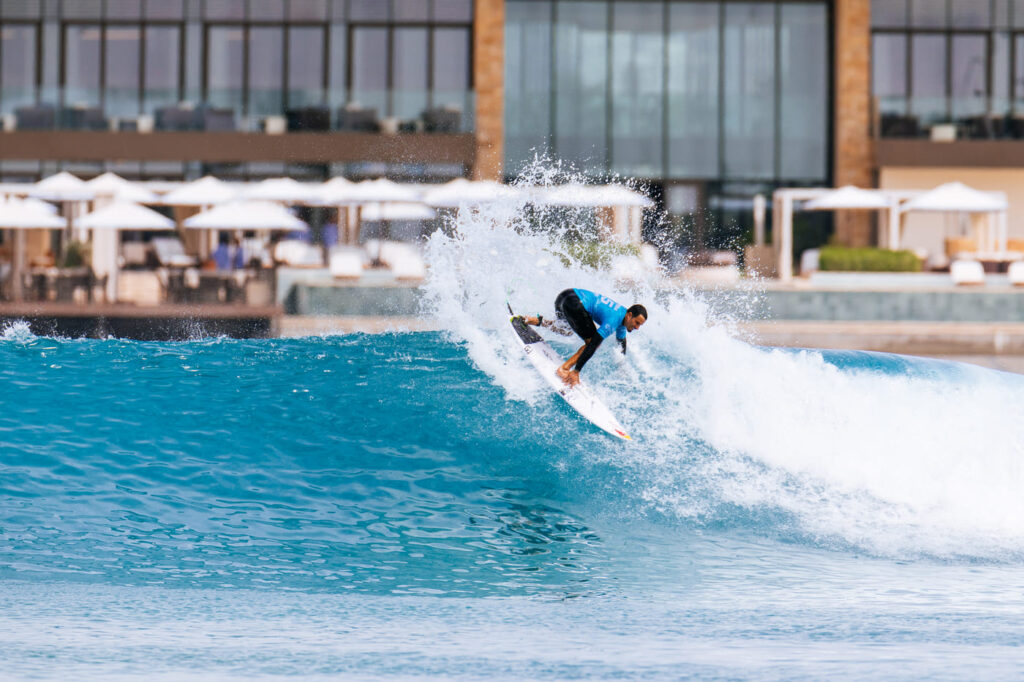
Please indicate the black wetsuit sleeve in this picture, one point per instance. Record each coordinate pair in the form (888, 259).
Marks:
(588, 351)
(622, 342)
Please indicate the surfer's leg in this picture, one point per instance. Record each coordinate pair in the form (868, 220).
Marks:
(569, 309)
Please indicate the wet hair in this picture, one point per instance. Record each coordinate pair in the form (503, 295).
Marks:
(637, 310)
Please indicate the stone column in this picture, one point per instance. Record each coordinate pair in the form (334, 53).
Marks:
(489, 84)
(854, 146)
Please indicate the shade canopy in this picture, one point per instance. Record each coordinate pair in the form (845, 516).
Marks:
(849, 197)
(958, 197)
(124, 215)
(28, 214)
(334, 192)
(246, 215)
(576, 195)
(396, 211)
(206, 191)
(371, 191)
(461, 192)
(62, 187)
(284, 190)
(113, 185)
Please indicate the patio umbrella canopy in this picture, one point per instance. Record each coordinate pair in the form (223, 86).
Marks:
(461, 192)
(575, 195)
(374, 191)
(848, 197)
(29, 214)
(123, 215)
(246, 215)
(111, 184)
(396, 211)
(333, 192)
(62, 187)
(284, 190)
(956, 196)
(206, 191)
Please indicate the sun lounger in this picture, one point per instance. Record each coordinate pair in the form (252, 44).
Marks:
(1015, 273)
(170, 252)
(347, 262)
(404, 260)
(298, 254)
(967, 272)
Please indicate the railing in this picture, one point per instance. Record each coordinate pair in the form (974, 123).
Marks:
(944, 119)
(388, 111)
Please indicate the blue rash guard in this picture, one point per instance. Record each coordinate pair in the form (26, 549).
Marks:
(607, 314)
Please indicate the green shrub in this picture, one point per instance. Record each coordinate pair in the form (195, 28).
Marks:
(839, 258)
(76, 254)
(597, 255)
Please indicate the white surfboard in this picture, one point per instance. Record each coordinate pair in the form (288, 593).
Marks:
(579, 397)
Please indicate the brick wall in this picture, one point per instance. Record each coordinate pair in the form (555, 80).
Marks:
(854, 148)
(489, 83)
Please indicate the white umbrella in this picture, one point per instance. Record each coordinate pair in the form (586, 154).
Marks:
(246, 215)
(848, 197)
(334, 192)
(460, 192)
(589, 196)
(206, 191)
(113, 185)
(21, 215)
(396, 211)
(956, 196)
(123, 215)
(62, 187)
(285, 190)
(371, 191)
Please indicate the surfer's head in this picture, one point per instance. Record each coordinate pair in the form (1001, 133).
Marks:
(635, 317)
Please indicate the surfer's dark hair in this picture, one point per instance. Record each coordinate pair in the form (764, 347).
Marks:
(637, 310)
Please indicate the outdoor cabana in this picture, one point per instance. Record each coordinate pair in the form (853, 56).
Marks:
(987, 208)
(20, 215)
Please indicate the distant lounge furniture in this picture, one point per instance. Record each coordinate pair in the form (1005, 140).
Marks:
(355, 118)
(404, 259)
(967, 272)
(177, 118)
(299, 254)
(1015, 273)
(442, 120)
(42, 117)
(304, 119)
(218, 120)
(898, 125)
(347, 262)
(134, 254)
(170, 252)
(83, 118)
(127, 125)
(983, 127)
(1015, 126)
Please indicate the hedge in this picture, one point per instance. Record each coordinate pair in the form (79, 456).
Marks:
(838, 258)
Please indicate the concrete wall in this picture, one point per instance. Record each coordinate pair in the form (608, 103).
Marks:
(928, 230)
(489, 84)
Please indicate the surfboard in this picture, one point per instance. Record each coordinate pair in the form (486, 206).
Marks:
(579, 397)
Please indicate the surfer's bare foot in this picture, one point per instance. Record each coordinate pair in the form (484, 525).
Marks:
(570, 376)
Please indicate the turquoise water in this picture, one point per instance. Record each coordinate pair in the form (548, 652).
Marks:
(385, 507)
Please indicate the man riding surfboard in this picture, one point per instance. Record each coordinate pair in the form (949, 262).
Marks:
(593, 317)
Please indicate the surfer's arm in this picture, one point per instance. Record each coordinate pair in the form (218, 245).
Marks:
(622, 342)
(586, 351)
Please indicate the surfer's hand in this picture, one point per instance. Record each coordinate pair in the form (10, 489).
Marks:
(571, 377)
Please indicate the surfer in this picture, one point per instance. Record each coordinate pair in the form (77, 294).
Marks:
(594, 317)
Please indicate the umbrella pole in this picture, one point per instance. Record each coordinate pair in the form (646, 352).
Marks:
(17, 266)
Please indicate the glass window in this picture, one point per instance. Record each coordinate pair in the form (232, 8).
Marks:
(370, 68)
(928, 13)
(638, 88)
(581, 83)
(82, 9)
(889, 13)
(409, 72)
(969, 84)
(266, 10)
(119, 10)
(122, 70)
(1000, 73)
(1002, 14)
(165, 9)
(928, 77)
(694, 130)
(266, 71)
(368, 10)
(970, 14)
(889, 72)
(1018, 74)
(411, 10)
(162, 72)
(337, 66)
(453, 10)
(527, 82)
(224, 67)
(307, 10)
(19, 9)
(749, 82)
(82, 65)
(1017, 13)
(803, 92)
(225, 9)
(17, 66)
(451, 60)
(305, 66)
